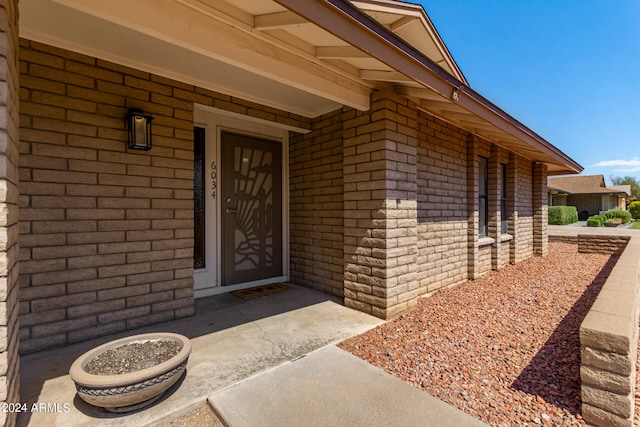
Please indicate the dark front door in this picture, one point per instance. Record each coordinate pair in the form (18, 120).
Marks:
(251, 180)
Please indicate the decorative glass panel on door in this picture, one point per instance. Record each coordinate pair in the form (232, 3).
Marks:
(251, 183)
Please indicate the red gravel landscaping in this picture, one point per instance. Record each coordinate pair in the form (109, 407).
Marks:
(505, 347)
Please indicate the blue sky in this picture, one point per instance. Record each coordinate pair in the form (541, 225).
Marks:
(569, 70)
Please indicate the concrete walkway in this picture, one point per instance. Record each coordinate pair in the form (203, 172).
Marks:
(581, 228)
(268, 361)
(333, 388)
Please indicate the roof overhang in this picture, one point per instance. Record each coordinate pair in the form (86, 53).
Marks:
(560, 191)
(308, 57)
(438, 92)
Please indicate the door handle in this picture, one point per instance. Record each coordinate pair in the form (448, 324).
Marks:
(232, 210)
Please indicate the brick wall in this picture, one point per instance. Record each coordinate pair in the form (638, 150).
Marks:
(500, 247)
(484, 259)
(479, 250)
(106, 233)
(380, 200)
(601, 244)
(442, 204)
(447, 245)
(609, 340)
(316, 205)
(505, 254)
(380, 207)
(523, 197)
(541, 210)
(9, 378)
(106, 241)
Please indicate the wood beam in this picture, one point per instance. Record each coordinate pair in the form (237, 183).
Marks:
(402, 22)
(197, 27)
(446, 107)
(477, 125)
(277, 20)
(420, 93)
(339, 52)
(384, 76)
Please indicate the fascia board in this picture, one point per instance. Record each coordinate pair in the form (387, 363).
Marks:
(350, 24)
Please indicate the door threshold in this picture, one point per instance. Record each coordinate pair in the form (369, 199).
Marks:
(216, 290)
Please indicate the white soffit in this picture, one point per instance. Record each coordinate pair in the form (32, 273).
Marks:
(410, 22)
(253, 49)
(56, 24)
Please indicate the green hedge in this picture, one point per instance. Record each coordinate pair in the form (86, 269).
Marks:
(623, 215)
(596, 221)
(592, 221)
(634, 209)
(562, 215)
(600, 218)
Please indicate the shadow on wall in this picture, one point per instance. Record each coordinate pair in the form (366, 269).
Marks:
(554, 372)
(213, 314)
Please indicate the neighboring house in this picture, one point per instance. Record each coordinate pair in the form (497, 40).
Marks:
(588, 193)
(337, 145)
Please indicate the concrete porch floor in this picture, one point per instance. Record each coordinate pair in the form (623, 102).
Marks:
(232, 339)
(269, 361)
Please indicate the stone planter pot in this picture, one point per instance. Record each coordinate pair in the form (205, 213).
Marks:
(612, 224)
(133, 390)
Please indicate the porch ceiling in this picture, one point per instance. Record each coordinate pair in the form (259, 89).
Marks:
(307, 57)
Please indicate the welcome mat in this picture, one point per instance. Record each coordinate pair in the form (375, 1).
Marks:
(260, 291)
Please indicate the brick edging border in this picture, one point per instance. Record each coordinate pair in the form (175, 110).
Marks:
(609, 334)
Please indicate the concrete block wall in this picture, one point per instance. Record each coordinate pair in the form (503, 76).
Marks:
(494, 215)
(405, 205)
(106, 239)
(541, 210)
(380, 207)
(505, 253)
(484, 259)
(479, 248)
(442, 204)
(564, 239)
(512, 206)
(9, 195)
(316, 204)
(523, 204)
(609, 343)
(601, 244)
(473, 205)
(107, 233)
(497, 249)
(500, 247)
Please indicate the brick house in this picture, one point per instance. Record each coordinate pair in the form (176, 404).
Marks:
(332, 144)
(588, 193)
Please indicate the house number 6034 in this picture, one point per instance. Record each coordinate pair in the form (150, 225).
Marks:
(214, 175)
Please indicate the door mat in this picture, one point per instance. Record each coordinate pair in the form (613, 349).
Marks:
(260, 291)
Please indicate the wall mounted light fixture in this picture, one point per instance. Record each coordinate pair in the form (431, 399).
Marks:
(139, 127)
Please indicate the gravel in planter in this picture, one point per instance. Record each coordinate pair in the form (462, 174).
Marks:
(504, 348)
(133, 357)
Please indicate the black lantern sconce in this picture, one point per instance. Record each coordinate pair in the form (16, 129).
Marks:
(139, 127)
